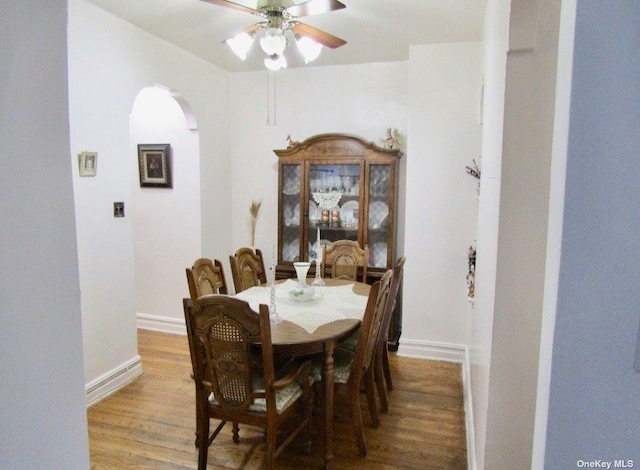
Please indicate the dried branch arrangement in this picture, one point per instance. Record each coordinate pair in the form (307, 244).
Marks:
(253, 210)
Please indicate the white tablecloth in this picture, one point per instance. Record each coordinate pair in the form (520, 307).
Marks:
(330, 303)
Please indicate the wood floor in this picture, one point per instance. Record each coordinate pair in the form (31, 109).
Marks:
(150, 423)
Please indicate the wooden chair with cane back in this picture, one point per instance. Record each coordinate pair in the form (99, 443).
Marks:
(234, 383)
(247, 268)
(382, 369)
(354, 370)
(343, 259)
(206, 277)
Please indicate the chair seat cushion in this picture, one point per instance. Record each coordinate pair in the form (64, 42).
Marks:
(342, 359)
(284, 397)
(351, 342)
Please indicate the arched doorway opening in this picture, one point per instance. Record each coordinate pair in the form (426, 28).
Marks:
(166, 221)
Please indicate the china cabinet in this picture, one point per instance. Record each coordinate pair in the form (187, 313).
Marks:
(335, 187)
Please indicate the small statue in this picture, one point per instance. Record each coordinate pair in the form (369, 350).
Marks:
(292, 143)
(391, 141)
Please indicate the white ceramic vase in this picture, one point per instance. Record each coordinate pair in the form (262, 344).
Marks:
(302, 291)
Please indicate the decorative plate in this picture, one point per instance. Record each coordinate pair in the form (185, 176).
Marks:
(378, 211)
(290, 251)
(314, 212)
(380, 254)
(295, 218)
(291, 186)
(349, 214)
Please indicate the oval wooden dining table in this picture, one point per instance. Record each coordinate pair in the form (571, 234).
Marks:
(292, 340)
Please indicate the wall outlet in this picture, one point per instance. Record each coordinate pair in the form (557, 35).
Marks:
(118, 209)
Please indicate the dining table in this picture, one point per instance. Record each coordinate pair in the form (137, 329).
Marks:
(318, 325)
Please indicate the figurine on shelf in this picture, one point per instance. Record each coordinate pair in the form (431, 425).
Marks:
(391, 142)
(291, 143)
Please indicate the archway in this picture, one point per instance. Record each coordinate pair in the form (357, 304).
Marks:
(166, 221)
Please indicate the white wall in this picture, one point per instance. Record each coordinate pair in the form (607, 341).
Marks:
(110, 61)
(523, 234)
(481, 323)
(444, 136)
(42, 408)
(363, 100)
(166, 220)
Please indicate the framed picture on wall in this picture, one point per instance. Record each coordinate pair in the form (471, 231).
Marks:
(154, 162)
(87, 163)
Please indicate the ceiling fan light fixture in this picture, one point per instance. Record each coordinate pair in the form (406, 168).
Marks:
(240, 44)
(309, 48)
(273, 42)
(275, 62)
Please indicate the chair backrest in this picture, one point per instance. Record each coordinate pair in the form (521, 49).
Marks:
(342, 259)
(398, 272)
(371, 326)
(206, 277)
(247, 268)
(221, 331)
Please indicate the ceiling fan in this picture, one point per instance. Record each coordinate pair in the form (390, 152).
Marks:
(280, 17)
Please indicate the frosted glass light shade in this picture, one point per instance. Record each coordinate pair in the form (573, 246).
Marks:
(273, 42)
(275, 62)
(240, 44)
(309, 48)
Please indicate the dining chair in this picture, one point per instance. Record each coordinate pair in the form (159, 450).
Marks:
(342, 258)
(234, 384)
(355, 369)
(381, 360)
(247, 268)
(206, 277)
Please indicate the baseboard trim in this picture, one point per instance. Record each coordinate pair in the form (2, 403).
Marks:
(468, 411)
(113, 380)
(162, 324)
(449, 353)
(431, 350)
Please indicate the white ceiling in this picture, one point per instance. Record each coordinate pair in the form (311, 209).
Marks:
(375, 30)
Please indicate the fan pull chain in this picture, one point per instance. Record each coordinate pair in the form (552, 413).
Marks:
(271, 90)
(268, 103)
(274, 100)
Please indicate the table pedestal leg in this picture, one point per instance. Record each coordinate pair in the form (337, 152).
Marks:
(327, 378)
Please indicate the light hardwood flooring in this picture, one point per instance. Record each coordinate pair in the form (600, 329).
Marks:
(150, 423)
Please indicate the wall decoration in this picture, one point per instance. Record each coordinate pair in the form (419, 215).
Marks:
(471, 275)
(154, 162)
(87, 163)
(475, 172)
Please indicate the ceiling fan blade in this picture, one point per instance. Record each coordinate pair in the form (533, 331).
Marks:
(314, 7)
(235, 6)
(254, 28)
(317, 35)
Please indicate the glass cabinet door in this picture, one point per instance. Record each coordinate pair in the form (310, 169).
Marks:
(291, 217)
(379, 226)
(334, 204)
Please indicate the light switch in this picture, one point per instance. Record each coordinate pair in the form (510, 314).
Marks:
(118, 209)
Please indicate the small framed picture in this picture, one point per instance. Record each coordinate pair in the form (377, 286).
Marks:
(154, 162)
(88, 162)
